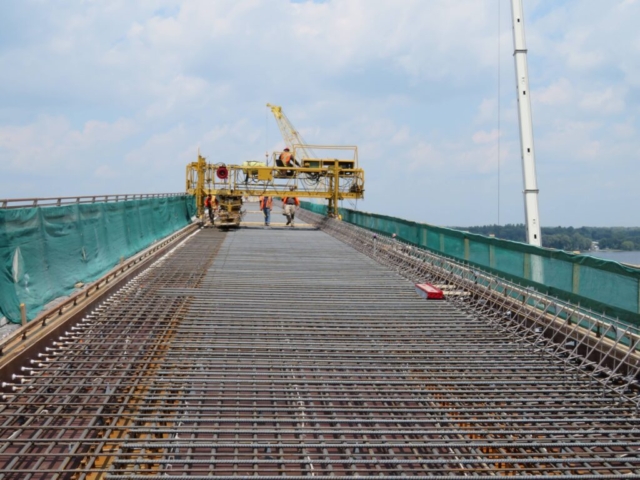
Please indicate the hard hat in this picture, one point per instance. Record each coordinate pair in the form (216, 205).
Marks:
(286, 149)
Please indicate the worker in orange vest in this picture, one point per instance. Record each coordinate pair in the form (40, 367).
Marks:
(265, 205)
(208, 207)
(289, 204)
(286, 159)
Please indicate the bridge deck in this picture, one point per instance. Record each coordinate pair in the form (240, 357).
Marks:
(279, 352)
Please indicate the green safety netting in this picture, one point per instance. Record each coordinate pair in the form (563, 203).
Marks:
(600, 285)
(45, 251)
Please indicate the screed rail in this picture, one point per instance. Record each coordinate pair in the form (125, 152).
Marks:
(271, 352)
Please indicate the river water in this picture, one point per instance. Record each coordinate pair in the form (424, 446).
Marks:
(632, 258)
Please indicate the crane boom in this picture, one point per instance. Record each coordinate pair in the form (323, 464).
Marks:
(290, 135)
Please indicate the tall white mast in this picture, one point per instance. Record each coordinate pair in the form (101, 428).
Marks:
(532, 217)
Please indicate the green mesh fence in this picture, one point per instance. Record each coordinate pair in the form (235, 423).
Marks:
(600, 285)
(45, 251)
(314, 207)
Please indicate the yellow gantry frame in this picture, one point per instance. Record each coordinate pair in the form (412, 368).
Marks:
(332, 179)
(196, 180)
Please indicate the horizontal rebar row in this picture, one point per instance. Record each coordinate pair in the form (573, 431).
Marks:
(275, 352)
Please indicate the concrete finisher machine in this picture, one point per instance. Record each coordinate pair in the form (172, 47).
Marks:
(332, 176)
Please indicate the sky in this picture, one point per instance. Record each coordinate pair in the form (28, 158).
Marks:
(116, 96)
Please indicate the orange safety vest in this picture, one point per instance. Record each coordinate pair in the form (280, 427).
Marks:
(207, 202)
(285, 157)
(265, 202)
(295, 199)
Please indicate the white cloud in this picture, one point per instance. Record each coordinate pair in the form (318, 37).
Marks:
(96, 132)
(624, 130)
(583, 60)
(482, 137)
(424, 155)
(574, 142)
(106, 172)
(487, 111)
(558, 93)
(605, 101)
(401, 136)
(182, 93)
(160, 152)
(51, 144)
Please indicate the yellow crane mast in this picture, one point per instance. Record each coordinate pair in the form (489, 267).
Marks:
(290, 135)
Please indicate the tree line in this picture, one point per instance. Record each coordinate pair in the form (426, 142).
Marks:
(568, 238)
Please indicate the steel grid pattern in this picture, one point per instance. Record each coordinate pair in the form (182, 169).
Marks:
(605, 349)
(276, 352)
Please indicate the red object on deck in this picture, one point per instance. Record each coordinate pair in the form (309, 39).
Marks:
(428, 291)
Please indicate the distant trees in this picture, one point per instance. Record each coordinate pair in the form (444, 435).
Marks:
(507, 232)
(621, 239)
(565, 241)
(567, 238)
(627, 245)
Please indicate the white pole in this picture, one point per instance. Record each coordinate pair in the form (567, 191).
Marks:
(532, 217)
